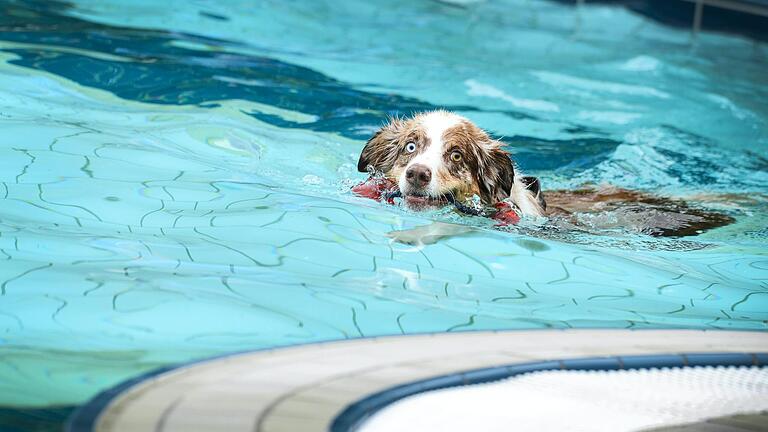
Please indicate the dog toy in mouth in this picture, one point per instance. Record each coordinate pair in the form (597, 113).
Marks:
(377, 189)
(505, 214)
(383, 189)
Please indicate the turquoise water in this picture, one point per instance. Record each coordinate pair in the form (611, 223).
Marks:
(174, 177)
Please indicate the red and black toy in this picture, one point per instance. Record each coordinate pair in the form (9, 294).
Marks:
(378, 188)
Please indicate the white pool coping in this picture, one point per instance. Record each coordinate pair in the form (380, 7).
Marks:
(304, 388)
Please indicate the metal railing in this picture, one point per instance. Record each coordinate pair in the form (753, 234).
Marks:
(751, 7)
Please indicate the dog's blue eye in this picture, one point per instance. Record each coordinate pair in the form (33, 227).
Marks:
(410, 147)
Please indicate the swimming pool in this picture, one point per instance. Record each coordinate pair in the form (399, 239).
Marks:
(175, 177)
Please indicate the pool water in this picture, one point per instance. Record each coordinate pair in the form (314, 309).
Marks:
(174, 177)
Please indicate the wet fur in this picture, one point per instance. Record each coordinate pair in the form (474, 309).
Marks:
(485, 168)
(661, 216)
(487, 171)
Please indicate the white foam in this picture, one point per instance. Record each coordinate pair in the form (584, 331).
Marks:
(612, 117)
(476, 88)
(641, 64)
(312, 179)
(563, 80)
(595, 401)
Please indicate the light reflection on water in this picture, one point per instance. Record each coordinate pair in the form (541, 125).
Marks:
(169, 195)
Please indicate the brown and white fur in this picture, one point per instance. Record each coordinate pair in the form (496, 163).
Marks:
(438, 155)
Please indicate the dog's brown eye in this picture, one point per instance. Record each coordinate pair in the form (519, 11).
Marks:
(455, 156)
(410, 147)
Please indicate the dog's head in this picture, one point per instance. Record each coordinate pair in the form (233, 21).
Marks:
(439, 155)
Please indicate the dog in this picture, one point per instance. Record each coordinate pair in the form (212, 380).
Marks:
(439, 158)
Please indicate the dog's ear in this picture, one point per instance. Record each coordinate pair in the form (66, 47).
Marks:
(534, 186)
(496, 176)
(380, 152)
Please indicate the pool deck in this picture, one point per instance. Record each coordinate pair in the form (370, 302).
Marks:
(304, 388)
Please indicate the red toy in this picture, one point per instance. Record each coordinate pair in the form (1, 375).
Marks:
(376, 188)
(505, 214)
(382, 188)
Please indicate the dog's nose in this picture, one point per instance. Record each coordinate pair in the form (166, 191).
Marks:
(418, 175)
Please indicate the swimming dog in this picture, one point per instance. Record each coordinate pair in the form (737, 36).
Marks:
(439, 158)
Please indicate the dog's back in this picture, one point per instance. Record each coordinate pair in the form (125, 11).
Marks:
(645, 213)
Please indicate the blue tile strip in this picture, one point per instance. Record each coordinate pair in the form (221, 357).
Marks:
(84, 417)
(355, 414)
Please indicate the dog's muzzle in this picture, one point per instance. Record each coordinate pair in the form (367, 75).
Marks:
(418, 177)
